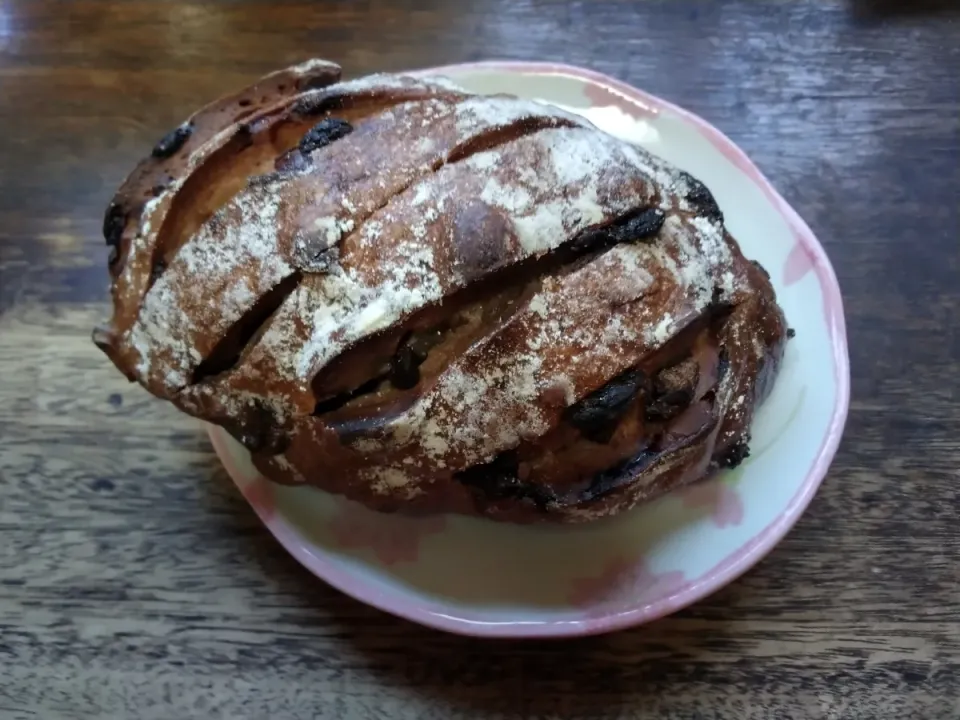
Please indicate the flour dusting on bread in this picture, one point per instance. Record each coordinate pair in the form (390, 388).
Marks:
(430, 300)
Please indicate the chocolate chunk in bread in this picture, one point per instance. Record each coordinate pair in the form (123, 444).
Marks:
(702, 199)
(324, 133)
(173, 141)
(723, 363)
(156, 271)
(637, 225)
(597, 415)
(114, 220)
(734, 455)
(498, 480)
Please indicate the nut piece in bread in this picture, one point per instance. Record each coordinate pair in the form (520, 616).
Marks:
(432, 301)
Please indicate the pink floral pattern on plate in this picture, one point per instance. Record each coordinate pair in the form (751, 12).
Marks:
(799, 262)
(623, 582)
(719, 497)
(601, 96)
(260, 494)
(392, 539)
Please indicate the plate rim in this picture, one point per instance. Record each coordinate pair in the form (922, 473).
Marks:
(738, 562)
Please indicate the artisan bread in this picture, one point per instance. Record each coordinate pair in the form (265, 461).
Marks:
(432, 301)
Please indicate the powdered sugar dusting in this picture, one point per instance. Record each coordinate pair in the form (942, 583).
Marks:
(444, 82)
(388, 479)
(576, 159)
(311, 66)
(376, 82)
(237, 261)
(410, 281)
(698, 252)
(386, 81)
(559, 182)
(492, 111)
(147, 216)
(664, 175)
(515, 199)
(289, 468)
(354, 310)
(475, 415)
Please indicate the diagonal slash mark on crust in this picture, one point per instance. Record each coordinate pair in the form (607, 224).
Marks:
(243, 334)
(509, 288)
(300, 111)
(487, 140)
(227, 356)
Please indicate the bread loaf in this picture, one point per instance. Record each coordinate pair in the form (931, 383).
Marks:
(432, 301)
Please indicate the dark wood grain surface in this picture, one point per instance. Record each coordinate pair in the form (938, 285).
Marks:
(136, 583)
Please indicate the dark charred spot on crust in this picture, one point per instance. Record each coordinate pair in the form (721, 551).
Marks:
(723, 363)
(638, 225)
(597, 415)
(482, 236)
(323, 133)
(245, 102)
(258, 431)
(702, 199)
(173, 141)
(761, 268)
(623, 473)
(673, 390)
(791, 333)
(157, 270)
(245, 132)
(734, 455)
(309, 107)
(499, 480)
(114, 221)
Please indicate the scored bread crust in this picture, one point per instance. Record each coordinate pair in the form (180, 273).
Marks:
(432, 301)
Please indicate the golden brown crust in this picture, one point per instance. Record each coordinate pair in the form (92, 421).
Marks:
(432, 301)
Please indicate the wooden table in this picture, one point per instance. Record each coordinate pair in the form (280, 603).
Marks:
(136, 583)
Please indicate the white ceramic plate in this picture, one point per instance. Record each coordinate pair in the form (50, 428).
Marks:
(484, 578)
